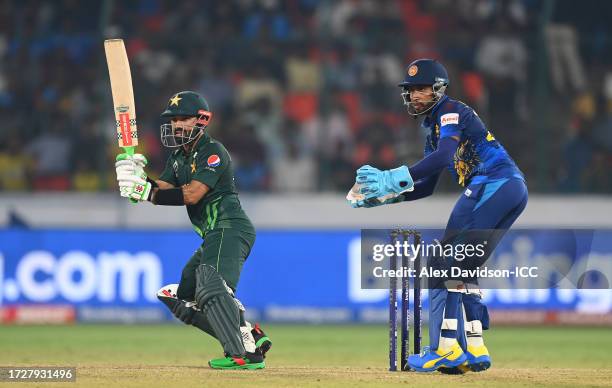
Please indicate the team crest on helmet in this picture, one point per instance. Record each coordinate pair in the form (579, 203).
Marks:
(412, 70)
(213, 161)
(175, 100)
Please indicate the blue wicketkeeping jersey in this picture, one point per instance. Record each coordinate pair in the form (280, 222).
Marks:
(479, 156)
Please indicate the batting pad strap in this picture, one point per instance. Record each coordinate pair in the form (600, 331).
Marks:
(474, 327)
(473, 289)
(455, 286)
(449, 324)
(169, 197)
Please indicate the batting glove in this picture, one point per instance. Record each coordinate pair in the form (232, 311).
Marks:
(132, 178)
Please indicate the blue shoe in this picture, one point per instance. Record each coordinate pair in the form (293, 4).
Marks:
(478, 358)
(456, 370)
(430, 361)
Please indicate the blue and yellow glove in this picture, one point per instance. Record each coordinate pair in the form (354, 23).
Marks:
(373, 202)
(376, 183)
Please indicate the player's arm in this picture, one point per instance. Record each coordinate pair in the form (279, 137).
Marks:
(162, 185)
(194, 191)
(451, 124)
(433, 163)
(188, 194)
(167, 184)
(376, 183)
(422, 188)
(208, 168)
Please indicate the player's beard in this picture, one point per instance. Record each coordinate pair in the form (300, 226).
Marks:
(174, 136)
(420, 107)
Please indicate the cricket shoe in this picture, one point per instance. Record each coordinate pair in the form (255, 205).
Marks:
(456, 370)
(248, 361)
(478, 360)
(429, 361)
(262, 342)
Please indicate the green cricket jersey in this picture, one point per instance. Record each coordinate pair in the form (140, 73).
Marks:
(209, 163)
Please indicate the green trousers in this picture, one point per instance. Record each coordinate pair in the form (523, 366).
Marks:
(226, 250)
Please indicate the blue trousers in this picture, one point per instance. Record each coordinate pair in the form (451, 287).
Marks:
(487, 210)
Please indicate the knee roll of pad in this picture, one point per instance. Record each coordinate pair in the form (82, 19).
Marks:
(208, 284)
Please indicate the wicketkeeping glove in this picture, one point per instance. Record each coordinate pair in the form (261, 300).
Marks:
(376, 183)
(357, 199)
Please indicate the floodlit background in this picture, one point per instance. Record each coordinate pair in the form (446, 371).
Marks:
(303, 93)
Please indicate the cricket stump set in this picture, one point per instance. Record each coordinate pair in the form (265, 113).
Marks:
(402, 235)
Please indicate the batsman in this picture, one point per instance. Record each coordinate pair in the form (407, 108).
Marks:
(495, 194)
(199, 175)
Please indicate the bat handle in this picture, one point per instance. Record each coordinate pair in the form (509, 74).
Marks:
(130, 151)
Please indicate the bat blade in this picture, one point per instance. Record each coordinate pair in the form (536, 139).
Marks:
(123, 94)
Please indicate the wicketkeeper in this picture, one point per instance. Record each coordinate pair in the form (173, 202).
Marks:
(495, 195)
(200, 176)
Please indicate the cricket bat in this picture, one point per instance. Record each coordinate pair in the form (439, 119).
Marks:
(123, 94)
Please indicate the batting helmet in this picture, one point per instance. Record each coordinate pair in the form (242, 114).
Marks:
(185, 104)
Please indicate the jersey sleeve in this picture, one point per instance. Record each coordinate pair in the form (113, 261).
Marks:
(211, 163)
(168, 174)
(452, 121)
(428, 149)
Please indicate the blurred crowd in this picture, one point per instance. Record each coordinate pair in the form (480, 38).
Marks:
(303, 91)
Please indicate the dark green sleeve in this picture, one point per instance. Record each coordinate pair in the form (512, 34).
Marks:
(211, 164)
(168, 174)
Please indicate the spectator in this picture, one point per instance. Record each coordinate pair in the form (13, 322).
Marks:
(502, 58)
(327, 70)
(15, 165)
(295, 170)
(251, 170)
(85, 178)
(51, 154)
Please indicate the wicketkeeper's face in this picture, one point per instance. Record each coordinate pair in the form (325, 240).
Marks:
(420, 94)
(418, 98)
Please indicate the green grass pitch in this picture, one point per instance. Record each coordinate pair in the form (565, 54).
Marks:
(305, 356)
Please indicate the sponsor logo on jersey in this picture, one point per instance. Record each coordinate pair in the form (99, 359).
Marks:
(213, 160)
(449, 118)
